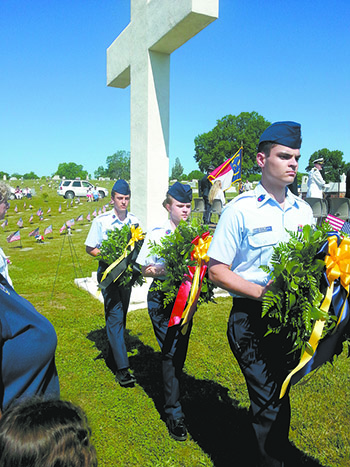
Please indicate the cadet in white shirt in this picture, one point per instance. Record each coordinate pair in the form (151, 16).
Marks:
(116, 299)
(249, 227)
(172, 342)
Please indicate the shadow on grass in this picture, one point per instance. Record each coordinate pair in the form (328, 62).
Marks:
(214, 420)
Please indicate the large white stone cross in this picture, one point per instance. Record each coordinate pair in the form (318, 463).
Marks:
(141, 56)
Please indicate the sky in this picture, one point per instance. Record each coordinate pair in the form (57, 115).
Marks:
(284, 60)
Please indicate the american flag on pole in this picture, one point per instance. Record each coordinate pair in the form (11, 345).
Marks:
(14, 237)
(63, 228)
(338, 224)
(60, 209)
(229, 172)
(104, 208)
(5, 223)
(16, 209)
(24, 205)
(34, 232)
(31, 218)
(79, 218)
(39, 212)
(88, 217)
(48, 211)
(99, 211)
(48, 230)
(20, 222)
(94, 213)
(70, 222)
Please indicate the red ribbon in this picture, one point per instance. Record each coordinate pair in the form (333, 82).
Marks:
(185, 288)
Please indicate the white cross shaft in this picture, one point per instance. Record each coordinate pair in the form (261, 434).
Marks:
(140, 56)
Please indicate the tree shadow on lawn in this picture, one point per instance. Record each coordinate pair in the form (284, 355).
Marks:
(214, 420)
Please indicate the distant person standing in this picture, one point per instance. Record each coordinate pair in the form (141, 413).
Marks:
(116, 299)
(347, 182)
(205, 186)
(315, 183)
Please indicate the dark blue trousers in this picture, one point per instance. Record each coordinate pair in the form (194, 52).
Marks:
(270, 415)
(116, 304)
(173, 345)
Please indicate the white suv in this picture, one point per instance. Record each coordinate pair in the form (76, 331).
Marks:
(70, 188)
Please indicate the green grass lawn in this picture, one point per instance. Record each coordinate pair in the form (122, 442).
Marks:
(127, 424)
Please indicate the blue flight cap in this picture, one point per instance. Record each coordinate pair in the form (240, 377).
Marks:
(182, 193)
(122, 187)
(285, 133)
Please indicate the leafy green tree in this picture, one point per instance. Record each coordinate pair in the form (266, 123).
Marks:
(225, 139)
(118, 165)
(71, 170)
(16, 175)
(2, 175)
(195, 175)
(177, 170)
(333, 165)
(100, 172)
(30, 176)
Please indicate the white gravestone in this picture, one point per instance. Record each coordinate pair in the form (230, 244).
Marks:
(140, 56)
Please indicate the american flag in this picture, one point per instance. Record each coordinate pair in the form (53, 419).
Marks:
(16, 209)
(24, 205)
(88, 217)
(60, 208)
(63, 228)
(39, 212)
(79, 218)
(48, 211)
(5, 223)
(31, 218)
(48, 230)
(34, 232)
(104, 208)
(338, 224)
(14, 237)
(20, 222)
(70, 222)
(94, 213)
(99, 211)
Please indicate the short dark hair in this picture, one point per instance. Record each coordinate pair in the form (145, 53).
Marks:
(46, 434)
(265, 147)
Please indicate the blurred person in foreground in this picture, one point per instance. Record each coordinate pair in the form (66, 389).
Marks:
(39, 433)
(28, 340)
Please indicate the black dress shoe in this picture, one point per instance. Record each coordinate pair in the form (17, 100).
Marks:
(125, 378)
(177, 429)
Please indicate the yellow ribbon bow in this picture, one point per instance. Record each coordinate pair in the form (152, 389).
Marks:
(199, 253)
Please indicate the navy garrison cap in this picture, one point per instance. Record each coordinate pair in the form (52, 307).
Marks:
(122, 187)
(182, 193)
(285, 133)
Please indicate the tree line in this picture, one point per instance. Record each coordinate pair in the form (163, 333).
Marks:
(211, 148)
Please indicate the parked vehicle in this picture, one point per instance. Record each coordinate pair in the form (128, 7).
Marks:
(71, 188)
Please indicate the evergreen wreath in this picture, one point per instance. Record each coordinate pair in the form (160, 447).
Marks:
(114, 247)
(176, 250)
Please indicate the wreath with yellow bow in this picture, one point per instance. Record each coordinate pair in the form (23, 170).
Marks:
(119, 251)
(185, 255)
(307, 305)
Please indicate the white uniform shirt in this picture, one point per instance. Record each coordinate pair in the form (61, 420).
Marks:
(4, 267)
(145, 258)
(250, 226)
(104, 223)
(315, 184)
